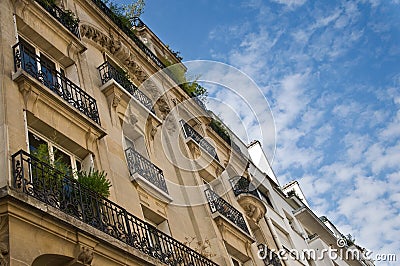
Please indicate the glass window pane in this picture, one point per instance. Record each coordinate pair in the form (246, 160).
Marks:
(48, 71)
(62, 161)
(28, 58)
(38, 148)
(78, 165)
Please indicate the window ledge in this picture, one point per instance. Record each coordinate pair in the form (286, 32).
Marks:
(35, 94)
(151, 188)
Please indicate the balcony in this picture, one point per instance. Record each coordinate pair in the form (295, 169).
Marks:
(249, 199)
(189, 132)
(225, 136)
(108, 72)
(243, 186)
(269, 256)
(64, 17)
(140, 168)
(41, 181)
(32, 64)
(103, 7)
(137, 22)
(218, 204)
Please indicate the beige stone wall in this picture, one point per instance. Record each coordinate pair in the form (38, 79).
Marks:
(25, 102)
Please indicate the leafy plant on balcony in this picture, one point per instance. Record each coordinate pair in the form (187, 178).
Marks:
(128, 12)
(95, 180)
(70, 19)
(292, 193)
(58, 166)
(177, 54)
(220, 129)
(350, 240)
(48, 3)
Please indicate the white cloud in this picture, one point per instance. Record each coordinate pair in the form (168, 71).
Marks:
(336, 133)
(290, 3)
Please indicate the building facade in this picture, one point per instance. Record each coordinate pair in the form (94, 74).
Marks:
(78, 81)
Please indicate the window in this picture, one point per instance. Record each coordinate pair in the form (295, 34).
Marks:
(156, 220)
(55, 154)
(235, 262)
(265, 197)
(134, 140)
(291, 223)
(283, 237)
(28, 55)
(129, 143)
(48, 69)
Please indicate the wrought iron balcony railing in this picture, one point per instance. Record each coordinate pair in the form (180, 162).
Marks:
(137, 22)
(66, 18)
(108, 71)
(55, 81)
(269, 257)
(139, 164)
(41, 181)
(218, 204)
(243, 185)
(189, 132)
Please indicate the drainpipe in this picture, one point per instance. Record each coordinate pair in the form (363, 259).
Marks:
(278, 243)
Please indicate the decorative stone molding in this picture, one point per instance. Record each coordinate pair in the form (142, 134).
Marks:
(86, 256)
(116, 48)
(29, 95)
(203, 247)
(163, 107)
(194, 148)
(254, 207)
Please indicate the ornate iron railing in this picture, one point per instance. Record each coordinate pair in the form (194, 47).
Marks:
(137, 22)
(189, 132)
(41, 181)
(243, 185)
(108, 71)
(139, 164)
(66, 18)
(127, 30)
(55, 81)
(269, 257)
(218, 204)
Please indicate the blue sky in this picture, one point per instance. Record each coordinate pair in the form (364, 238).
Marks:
(331, 73)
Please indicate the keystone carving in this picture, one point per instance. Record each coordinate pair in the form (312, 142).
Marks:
(86, 256)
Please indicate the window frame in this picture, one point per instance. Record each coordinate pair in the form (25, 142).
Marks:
(40, 54)
(51, 146)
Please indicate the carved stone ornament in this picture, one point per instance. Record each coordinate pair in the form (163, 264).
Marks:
(194, 148)
(163, 107)
(253, 207)
(116, 48)
(86, 256)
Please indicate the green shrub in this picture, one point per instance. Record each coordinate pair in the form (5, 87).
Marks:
(95, 180)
